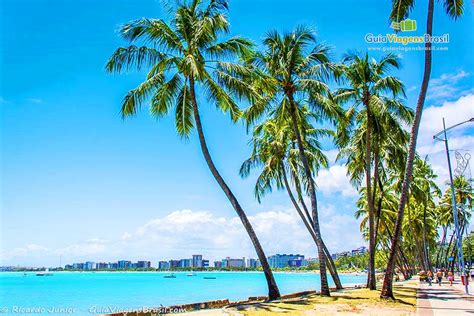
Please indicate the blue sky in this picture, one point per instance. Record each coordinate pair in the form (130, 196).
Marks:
(78, 181)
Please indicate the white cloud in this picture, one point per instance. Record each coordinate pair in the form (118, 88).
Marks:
(335, 180)
(183, 233)
(445, 87)
(461, 138)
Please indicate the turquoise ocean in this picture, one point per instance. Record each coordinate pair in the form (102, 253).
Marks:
(86, 293)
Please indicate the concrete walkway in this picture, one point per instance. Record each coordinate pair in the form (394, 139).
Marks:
(444, 300)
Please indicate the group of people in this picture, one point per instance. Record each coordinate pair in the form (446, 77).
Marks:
(440, 273)
(444, 273)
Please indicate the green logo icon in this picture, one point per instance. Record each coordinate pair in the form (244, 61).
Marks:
(404, 26)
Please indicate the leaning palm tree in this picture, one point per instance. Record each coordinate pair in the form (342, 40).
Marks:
(375, 109)
(184, 55)
(401, 10)
(275, 155)
(292, 68)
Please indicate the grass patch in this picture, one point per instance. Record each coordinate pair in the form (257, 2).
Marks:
(359, 301)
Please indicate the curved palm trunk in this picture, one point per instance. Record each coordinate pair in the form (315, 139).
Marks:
(312, 194)
(273, 291)
(387, 289)
(329, 262)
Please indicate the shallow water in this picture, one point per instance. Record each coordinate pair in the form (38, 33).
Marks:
(83, 293)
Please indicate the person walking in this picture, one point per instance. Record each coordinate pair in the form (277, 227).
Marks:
(439, 277)
(430, 277)
(450, 278)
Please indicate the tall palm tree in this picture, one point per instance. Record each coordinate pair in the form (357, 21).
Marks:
(294, 68)
(184, 55)
(274, 153)
(374, 94)
(401, 10)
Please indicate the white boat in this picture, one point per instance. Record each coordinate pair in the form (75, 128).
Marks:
(44, 273)
(191, 274)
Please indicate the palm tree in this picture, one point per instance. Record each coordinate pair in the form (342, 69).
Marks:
(401, 10)
(184, 55)
(369, 82)
(293, 68)
(274, 153)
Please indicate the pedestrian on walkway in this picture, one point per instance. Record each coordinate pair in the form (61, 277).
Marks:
(450, 278)
(439, 276)
(430, 277)
(472, 273)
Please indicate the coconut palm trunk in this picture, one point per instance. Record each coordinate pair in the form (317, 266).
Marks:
(308, 224)
(371, 282)
(273, 291)
(387, 289)
(312, 194)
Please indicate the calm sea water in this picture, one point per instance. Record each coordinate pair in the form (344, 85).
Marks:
(86, 293)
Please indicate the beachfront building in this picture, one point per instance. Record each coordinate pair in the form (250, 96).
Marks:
(251, 263)
(205, 263)
(124, 264)
(343, 254)
(163, 265)
(143, 264)
(185, 263)
(282, 261)
(233, 263)
(359, 251)
(197, 261)
(174, 264)
(78, 266)
(218, 264)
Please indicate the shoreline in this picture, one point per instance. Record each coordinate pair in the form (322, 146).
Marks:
(202, 307)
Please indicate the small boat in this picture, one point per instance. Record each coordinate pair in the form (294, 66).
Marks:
(210, 278)
(191, 274)
(44, 273)
(170, 276)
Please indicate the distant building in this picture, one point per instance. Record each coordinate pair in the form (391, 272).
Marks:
(124, 264)
(113, 265)
(359, 251)
(281, 261)
(90, 265)
(197, 261)
(343, 254)
(174, 264)
(78, 266)
(251, 263)
(185, 263)
(163, 265)
(102, 265)
(218, 264)
(205, 263)
(143, 264)
(233, 263)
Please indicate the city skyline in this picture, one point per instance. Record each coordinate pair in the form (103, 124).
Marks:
(197, 261)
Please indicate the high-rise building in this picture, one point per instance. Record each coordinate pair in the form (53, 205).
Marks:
(174, 264)
(233, 263)
(163, 265)
(185, 263)
(281, 261)
(218, 264)
(197, 261)
(251, 263)
(124, 264)
(143, 264)
(90, 265)
(205, 263)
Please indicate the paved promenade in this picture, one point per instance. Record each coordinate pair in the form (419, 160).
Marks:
(445, 299)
